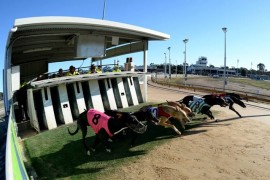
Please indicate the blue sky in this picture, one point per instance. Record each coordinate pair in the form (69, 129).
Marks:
(200, 21)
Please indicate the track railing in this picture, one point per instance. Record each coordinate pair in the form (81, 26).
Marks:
(200, 88)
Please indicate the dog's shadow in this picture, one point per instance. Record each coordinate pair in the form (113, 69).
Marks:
(72, 159)
(157, 134)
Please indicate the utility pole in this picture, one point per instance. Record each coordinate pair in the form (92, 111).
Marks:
(104, 9)
(224, 74)
(185, 70)
(170, 75)
(165, 66)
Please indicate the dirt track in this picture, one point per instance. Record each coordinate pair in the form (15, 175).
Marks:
(232, 148)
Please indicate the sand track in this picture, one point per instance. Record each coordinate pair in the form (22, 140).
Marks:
(232, 148)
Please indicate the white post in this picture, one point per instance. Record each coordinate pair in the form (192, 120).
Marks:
(224, 74)
(165, 66)
(170, 74)
(145, 51)
(185, 69)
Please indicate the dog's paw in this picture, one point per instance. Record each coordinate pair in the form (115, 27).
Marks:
(109, 150)
(178, 133)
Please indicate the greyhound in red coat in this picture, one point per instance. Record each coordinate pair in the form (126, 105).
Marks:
(164, 112)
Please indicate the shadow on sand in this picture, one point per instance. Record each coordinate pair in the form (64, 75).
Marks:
(218, 121)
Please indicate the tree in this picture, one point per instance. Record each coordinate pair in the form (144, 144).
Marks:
(243, 71)
(261, 67)
(212, 66)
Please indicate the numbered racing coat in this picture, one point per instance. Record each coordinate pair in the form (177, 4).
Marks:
(98, 120)
(158, 111)
(197, 104)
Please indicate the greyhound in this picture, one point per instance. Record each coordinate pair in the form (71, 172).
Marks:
(231, 98)
(105, 126)
(164, 112)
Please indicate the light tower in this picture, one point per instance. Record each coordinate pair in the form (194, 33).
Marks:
(165, 66)
(224, 29)
(170, 75)
(185, 61)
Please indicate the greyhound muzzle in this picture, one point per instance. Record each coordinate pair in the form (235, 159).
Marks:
(137, 126)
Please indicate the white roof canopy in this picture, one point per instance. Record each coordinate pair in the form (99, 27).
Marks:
(54, 39)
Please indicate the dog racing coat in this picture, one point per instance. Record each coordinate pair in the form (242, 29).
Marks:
(227, 98)
(197, 104)
(158, 111)
(98, 120)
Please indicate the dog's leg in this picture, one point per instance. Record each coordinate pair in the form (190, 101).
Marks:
(84, 133)
(182, 123)
(93, 148)
(207, 112)
(163, 122)
(182, 118)
(104, 137)
(133, 139)
(231, 108)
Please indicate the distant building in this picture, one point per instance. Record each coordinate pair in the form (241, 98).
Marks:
(202, 61)
(201, 68)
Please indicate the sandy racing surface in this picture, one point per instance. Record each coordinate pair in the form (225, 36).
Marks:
(232, 148)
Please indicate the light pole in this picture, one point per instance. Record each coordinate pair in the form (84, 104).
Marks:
(169, 48)
(184, 66)
(185, 70)
(104, 9)
(165, 66)
(224, 29)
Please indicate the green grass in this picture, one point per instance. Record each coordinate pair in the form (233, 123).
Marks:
(251, 82)
(243, 81)
(55, 154)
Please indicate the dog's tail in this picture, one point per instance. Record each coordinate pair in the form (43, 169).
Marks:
(75, 132)
(180, 101)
